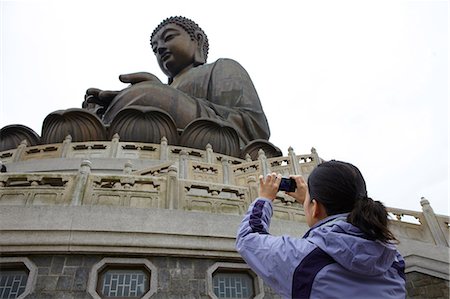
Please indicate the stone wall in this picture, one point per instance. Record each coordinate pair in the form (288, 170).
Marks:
(420, 286)
(67, 277)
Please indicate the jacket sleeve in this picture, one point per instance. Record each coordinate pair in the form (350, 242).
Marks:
(273, 258)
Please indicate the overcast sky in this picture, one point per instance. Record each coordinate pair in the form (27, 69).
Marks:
(361, 81)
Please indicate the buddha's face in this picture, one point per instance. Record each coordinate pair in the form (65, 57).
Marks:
(174, 49)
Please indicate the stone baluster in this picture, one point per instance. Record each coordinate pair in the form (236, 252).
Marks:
(80, 182)
(18, 154)
(114, 151)
(253, 187)
(66, 146)
(164, 150)
(226, 170)
(209, 153)
(433, 223)
(172, 195)
(183, 158)
(315, 156)
(294, 162)
(265, 169)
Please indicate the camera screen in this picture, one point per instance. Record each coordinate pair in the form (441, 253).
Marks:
(287, 184)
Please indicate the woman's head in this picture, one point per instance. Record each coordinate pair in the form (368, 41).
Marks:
(340, 188)
(337, 185)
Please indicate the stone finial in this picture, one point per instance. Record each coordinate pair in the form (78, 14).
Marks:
(128, 167)
(248, 158)
(23, 143)
(313, 150)
(251, 179)
(68, 139)
(173, 169)
(290, 150)
(164, 140)
(261, 154)
(85, 166)
(424, 202)
(116, 137)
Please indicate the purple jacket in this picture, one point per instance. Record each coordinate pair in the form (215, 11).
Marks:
(333, 260)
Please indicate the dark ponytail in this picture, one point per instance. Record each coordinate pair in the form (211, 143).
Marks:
(371, 218)
(341, 188)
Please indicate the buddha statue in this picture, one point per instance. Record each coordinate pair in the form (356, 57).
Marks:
(202, 103)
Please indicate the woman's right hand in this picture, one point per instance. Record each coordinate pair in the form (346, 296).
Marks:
(300, 192)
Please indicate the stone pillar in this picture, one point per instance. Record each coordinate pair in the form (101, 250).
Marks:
(209, 153)
(164, 150)
(265, 169)
(66, 146)
(183, 164)
(114, 151)
(80, 182)
(433, 223)
(253, 187)
(294, 162)
(172, 197)
(20, 150)
(226, 170)
(315, 156)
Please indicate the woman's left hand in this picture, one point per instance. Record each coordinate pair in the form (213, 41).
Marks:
(268, 186)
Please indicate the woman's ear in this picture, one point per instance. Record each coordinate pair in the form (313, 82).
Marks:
(199, 56)
(318, 210)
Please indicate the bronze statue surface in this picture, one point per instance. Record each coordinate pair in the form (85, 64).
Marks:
(214, 103)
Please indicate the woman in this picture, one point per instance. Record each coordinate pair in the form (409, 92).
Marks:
(348, 251)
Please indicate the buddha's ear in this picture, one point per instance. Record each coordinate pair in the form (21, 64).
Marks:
(199, 56)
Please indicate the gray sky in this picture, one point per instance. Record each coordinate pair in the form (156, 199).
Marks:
(361, 81)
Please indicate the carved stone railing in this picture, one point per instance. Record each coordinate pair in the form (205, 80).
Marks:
(177, 178)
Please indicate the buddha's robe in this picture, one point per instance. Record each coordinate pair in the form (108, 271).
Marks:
(221, 90)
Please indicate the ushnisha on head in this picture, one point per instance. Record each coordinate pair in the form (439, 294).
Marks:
(340, 188)
(179, 44)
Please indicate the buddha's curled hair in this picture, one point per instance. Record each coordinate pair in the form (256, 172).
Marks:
(187, 24)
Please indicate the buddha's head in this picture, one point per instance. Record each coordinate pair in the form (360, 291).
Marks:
(179, 43)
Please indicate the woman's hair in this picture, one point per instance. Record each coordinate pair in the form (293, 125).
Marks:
(341, 188)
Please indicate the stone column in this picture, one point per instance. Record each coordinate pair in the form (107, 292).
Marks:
(433, 223)
(66, 146)
(164, 150)
(226, 170)
(265, 169)
(183, 158)
(253, 187)
(80, 182)
(316, 156)
(114, 146)
(172, 195)
(19, 151)
(294, 162)
(209, 153)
